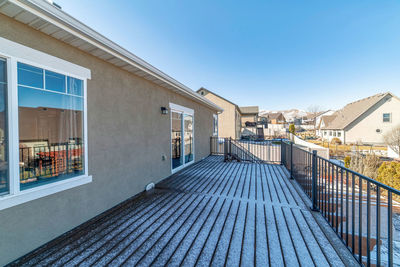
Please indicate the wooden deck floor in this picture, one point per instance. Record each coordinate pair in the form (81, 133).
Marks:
(212, 213)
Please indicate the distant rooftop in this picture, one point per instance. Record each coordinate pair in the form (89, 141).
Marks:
(249, 110)
(350, 112)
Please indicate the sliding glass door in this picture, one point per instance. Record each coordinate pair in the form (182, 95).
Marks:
(176, 135)
(188, 134)
(182, 143)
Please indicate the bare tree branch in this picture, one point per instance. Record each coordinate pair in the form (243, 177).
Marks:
(392, 139)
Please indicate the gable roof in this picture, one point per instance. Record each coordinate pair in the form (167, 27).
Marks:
(51, 20)
(327, 119)
(350, 112)
(223, 98)
(249, 110)
(274, 115)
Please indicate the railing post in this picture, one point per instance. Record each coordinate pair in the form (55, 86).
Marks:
(282, 156)
(230, 146)
(225, 149)
(291, 160)
(314, 182)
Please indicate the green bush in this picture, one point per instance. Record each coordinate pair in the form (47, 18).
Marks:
(389, 174)
(336, 141)
(347, 161)
(292, 128)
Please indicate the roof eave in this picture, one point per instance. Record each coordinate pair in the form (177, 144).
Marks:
(62, 20)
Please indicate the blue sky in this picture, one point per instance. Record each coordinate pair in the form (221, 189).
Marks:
(275, 54)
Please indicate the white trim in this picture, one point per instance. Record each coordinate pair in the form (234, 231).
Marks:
(8, 201)
(13, 143)
(183, 111)
(43, 10)
(42, 60)
(180, 108)
(15, 53)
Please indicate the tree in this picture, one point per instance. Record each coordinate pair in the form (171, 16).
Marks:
(389, 173)
(367, 165)
(314, 110)
(292, 128)
(392, 139)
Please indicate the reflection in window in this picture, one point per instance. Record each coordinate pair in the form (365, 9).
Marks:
(50, 126)
(176, 135)
(4, 181)
(215, 125)
(188, 132)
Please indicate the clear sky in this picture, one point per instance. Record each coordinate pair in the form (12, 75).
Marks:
(275, 54)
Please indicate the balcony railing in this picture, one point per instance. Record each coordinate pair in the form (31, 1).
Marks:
(49, 161)
(364, 213)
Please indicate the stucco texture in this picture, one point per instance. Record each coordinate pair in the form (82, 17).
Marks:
(127, 136)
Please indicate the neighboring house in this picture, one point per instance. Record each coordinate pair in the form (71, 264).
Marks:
(252, 124)
(229, 120)
(317, 118)
(323, 122)
(84, 124)
(249, 114)
(363, 121)
(275, 118)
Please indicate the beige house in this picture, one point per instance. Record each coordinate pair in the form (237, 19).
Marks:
(363, 121)
(84, 125)
(275, 118)
(229, 120)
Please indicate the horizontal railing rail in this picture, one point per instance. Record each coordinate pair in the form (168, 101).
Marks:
(265, 151)
(363, 212)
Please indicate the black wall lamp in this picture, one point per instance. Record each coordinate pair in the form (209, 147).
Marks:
(164, 110)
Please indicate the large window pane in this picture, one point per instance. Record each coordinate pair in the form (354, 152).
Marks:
(55, 81)
(188, 132)
(4, 181)
(75, 86)
(30, 76)
(176, 141)
(51, 136)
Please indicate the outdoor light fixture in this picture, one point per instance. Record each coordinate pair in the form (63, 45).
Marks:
(164, 110)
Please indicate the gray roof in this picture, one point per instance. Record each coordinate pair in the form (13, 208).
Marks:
(327, 119)
(274, 115)
(249, 110)
(348, 114)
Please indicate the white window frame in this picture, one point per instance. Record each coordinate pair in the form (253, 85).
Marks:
(14, 53)
(215, 131)
(184, 111)
(390, 117)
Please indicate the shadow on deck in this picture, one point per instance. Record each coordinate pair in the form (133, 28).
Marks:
(212, 213)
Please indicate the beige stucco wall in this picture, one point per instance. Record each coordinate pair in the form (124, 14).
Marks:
(127, 136)
(227, 121)
(364, 128)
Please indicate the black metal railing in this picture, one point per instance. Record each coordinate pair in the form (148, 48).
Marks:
(265, 151)
(48, 161)
(363, 212)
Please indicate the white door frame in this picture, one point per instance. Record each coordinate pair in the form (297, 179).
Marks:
(184, 111)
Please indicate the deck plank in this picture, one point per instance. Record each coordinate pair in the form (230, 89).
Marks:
(210, 214)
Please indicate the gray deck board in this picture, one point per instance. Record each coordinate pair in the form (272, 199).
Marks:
(210, 214)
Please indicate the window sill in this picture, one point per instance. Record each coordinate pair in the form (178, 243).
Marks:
(8, 201)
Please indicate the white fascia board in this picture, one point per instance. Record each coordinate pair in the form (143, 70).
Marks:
(31, 56)
(69, 24)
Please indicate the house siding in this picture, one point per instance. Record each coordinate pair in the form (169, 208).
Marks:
(363, 129)
(227, 120)
(127, 136)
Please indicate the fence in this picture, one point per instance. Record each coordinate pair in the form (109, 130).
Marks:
(364, 213)
(265, 151)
